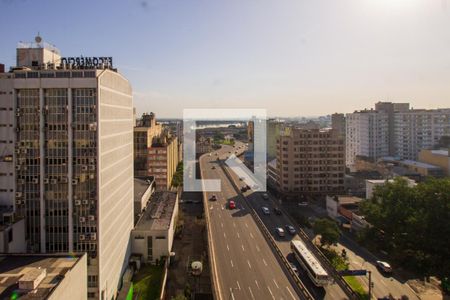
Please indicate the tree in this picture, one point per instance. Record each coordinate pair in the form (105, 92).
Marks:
(413, 224)
(328, 230)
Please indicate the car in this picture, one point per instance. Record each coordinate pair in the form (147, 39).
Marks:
(265, 210)
(277, 211)
(280, 231)
(247, 187)
(265, 196)
(294, 268)
(384, 266)
(213, 167)
(243, 189)
(303, 203)
(290, 229)
(255, 187)
(213, 198)
(241, 178)
(231, 204)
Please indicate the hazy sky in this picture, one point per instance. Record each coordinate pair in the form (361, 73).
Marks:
(294, 58)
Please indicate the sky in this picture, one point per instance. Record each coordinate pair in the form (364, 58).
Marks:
(290, 57)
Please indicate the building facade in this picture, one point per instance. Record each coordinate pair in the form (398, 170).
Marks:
(147, 131)
(440, 158)
(310, 162)
(162, 160)
(367, 135)
(393, 129)
(73, 161)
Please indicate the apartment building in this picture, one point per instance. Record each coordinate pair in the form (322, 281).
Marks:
(144, 135)
(71, 166)
(310, 162)
(393, 129)
(338, 124)
(419, 129)
(367, 135)
(163, 160)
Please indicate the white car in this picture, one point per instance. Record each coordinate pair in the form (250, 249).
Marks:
(280, 231)
(384, 266)
(265, 210)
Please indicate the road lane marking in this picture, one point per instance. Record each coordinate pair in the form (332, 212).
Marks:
(292, 295)
(246, 224)
(239, 287)
(228, 248)
(271, 293)
(249, 265)
(264, 261)
(224, 235)
(234, 224)
(231, 293)
(257, 248)
(238, 235)
(276, 284)
(251, 293)
(220, 216)
(251, 235)
(242, 247)
(231, 261)
(257, 284)
(221, 224)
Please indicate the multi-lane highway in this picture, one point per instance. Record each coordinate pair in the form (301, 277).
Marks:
(272, 221)
(244, 265)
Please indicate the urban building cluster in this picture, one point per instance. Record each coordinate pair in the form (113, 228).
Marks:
(77, 173)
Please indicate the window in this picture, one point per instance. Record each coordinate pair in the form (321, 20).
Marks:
(149, 248)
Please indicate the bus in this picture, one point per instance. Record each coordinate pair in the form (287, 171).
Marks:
(310, 264)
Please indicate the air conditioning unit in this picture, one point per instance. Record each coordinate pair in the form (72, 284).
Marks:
(18, 167)
(35, 181)
(85, 202)
(64, 180)
(17, 150)
(92, 167)
(74, 181)
(54, 181)
(20, 181)
(93, 236)
(24, 150)
(82, 219)
(84, 168)
(91, 218)
(18, 194)
(91, 176)
(18, 202)
(18, 114)
(77, 202)
(82, 237)
(46, 180)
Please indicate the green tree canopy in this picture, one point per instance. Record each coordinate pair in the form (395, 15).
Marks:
(413, 223)
(328, 230)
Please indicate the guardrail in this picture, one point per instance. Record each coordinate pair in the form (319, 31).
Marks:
(305, 293)
(212, 263)
(323, 259)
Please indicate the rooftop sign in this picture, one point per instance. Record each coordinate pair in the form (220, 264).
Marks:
(87, 62)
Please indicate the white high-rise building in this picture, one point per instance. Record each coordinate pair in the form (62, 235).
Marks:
(367, 134)
(392, 129)
(69, 131)
(419, 129)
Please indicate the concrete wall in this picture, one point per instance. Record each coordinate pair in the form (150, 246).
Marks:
(115, 167)
(74, 284)
(18, 243)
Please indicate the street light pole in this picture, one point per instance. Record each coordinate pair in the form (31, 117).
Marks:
(370, 284)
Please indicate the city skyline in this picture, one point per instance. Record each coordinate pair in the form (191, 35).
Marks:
(290, 58)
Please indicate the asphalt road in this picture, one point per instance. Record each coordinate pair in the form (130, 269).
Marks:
(272, 221)
(245, 265)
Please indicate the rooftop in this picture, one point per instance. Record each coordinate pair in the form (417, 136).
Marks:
(158, 213)
(15, 268)
(440, 152)
(418, 164)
